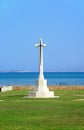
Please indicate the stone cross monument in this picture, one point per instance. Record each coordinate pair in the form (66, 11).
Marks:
(41, 90)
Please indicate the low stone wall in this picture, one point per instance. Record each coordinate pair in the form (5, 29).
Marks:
(30, 88)
(50, 88)
(5, 88)
(23, 88)
(66, 87)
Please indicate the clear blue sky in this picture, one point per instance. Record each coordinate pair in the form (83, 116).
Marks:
(60, 23)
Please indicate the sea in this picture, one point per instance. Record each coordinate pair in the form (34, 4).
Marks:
(53, 78)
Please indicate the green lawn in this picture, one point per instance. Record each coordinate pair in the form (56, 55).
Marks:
(64, 113)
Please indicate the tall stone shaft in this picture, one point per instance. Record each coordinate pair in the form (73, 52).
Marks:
(41, 45)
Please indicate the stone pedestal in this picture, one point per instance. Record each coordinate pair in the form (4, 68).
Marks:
(42, 90)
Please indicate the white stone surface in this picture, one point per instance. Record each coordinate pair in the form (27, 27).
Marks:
(6, 88)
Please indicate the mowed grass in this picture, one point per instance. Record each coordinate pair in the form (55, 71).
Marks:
(64, 113)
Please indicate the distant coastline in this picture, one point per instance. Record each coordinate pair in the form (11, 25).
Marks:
(12, 71)
(26, 71)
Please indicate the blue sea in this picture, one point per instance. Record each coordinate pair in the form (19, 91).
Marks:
(53, 78)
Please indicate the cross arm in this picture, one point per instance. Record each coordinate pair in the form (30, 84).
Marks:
(37, 45)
